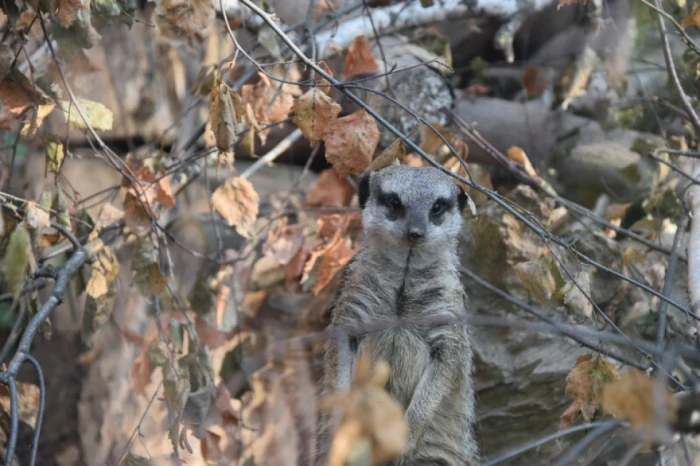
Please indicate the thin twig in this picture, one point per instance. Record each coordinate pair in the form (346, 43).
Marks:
(275, 152)
(668, 284)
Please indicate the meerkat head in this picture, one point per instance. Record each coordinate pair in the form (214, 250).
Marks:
(414, 207)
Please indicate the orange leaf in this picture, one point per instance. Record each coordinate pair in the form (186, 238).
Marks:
(329, 190)
(632, 397)
(584, 383)
(693, 19)
(517, 155)
(350, 142)
(331, 255)
(313, 112)
(237, 202)
(359, 59)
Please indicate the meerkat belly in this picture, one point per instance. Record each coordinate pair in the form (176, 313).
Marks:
(407, 354)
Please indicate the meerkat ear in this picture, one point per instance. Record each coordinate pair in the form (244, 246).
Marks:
(363, 189)
(461, 199)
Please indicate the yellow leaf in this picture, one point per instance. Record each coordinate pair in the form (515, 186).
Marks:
(54, 157)
(97, 115)
(30, 127)
(237, 202)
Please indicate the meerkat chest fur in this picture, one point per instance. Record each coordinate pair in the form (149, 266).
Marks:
(416, 287)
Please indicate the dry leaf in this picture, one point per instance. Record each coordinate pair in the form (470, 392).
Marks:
(37, 218)
(68, 12)
(269, 102)
(139, 206)
(237, 202)
(693, 19)
(584, 383)
(40, 113)
(54, 157)
(359, 59)
(313, 112)
(535, 80)
(395, 152)
(350, 142)
(331, 255)
(283, 241)
(322, 83)
(373, 429)
(329, 190)
(146, 266)
(517, 155)
(633, 397)
(98, 116)
(141, 370)
(223, 116)
(28, 397)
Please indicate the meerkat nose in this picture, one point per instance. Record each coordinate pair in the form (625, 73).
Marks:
(415, 234)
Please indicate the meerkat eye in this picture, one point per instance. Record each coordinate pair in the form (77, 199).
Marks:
(394, 202)
(439, 207)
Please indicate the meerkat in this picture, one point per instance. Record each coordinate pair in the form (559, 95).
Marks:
(408, 267)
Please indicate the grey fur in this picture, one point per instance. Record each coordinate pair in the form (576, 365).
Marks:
(393, 277)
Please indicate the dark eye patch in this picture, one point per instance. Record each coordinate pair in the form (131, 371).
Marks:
(393, 203)
(439, 207)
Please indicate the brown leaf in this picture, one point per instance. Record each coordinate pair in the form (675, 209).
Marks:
(633, 397)
(359, 59)
(37, 217)
(237, 202)
(313, 112)
(210, 336)
(535, 80)
(283, 241)
(270, 103)
(322, 83)
(584, 383)
(27, 400)
(223, 117)
(395, 151)
(68, 12)
(329, 190)
(373, 429)
(350, 142)
(228, 415)
(139, 207)
(331, 255)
